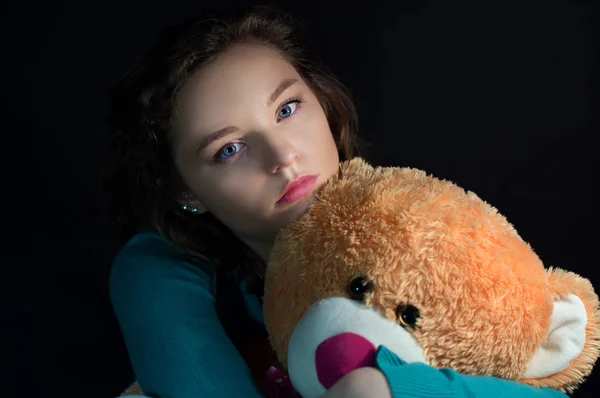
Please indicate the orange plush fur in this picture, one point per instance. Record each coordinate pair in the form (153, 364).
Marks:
(484, 296)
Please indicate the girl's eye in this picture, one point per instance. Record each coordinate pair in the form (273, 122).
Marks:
(288, 109)
(229, 151)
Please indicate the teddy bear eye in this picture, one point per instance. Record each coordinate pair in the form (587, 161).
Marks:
(358, 287)
(407, 315)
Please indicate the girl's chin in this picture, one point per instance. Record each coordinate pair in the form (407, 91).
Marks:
(298, 209)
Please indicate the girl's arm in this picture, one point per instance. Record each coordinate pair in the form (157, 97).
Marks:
(361, 383)
(394, 378)
(421, 380)
(175, 340)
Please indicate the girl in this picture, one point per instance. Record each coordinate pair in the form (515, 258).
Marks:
(210, 129)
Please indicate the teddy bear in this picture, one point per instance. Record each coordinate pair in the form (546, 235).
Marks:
(393, 257)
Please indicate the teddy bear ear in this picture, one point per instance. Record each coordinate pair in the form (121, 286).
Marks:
(565, 339)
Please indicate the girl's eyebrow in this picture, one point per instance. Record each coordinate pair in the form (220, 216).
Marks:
(281, 87)
(225, 131)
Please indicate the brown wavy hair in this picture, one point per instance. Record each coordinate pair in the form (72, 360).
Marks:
(141, 178)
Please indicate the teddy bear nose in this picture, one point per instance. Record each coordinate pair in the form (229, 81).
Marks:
(341, 354)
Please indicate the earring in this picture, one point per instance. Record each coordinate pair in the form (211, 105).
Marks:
(189, 208)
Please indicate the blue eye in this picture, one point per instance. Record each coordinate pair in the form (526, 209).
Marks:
(229, 151)
(287, 110)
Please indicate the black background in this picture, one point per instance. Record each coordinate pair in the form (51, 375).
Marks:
(494, 95)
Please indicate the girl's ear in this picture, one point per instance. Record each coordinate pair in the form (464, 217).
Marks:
(189, 202)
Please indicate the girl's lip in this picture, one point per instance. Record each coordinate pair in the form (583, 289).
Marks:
(297, 189)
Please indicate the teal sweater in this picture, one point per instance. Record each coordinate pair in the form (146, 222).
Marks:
(178, 347)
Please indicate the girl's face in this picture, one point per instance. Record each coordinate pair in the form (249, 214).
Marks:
(247, 125)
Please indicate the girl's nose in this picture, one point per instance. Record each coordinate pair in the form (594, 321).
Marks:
(281, 155)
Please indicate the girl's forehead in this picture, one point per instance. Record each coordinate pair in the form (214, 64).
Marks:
(243, 76)
(243, 66)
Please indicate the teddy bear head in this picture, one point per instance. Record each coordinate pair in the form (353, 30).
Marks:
(391, 256)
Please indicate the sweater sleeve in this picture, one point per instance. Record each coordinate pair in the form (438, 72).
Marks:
(166, 311)
(421, 380)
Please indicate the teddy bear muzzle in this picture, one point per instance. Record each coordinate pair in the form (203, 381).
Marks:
(340, 354)
(337, 335)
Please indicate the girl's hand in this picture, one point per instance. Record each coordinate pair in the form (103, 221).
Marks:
(361, 383)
